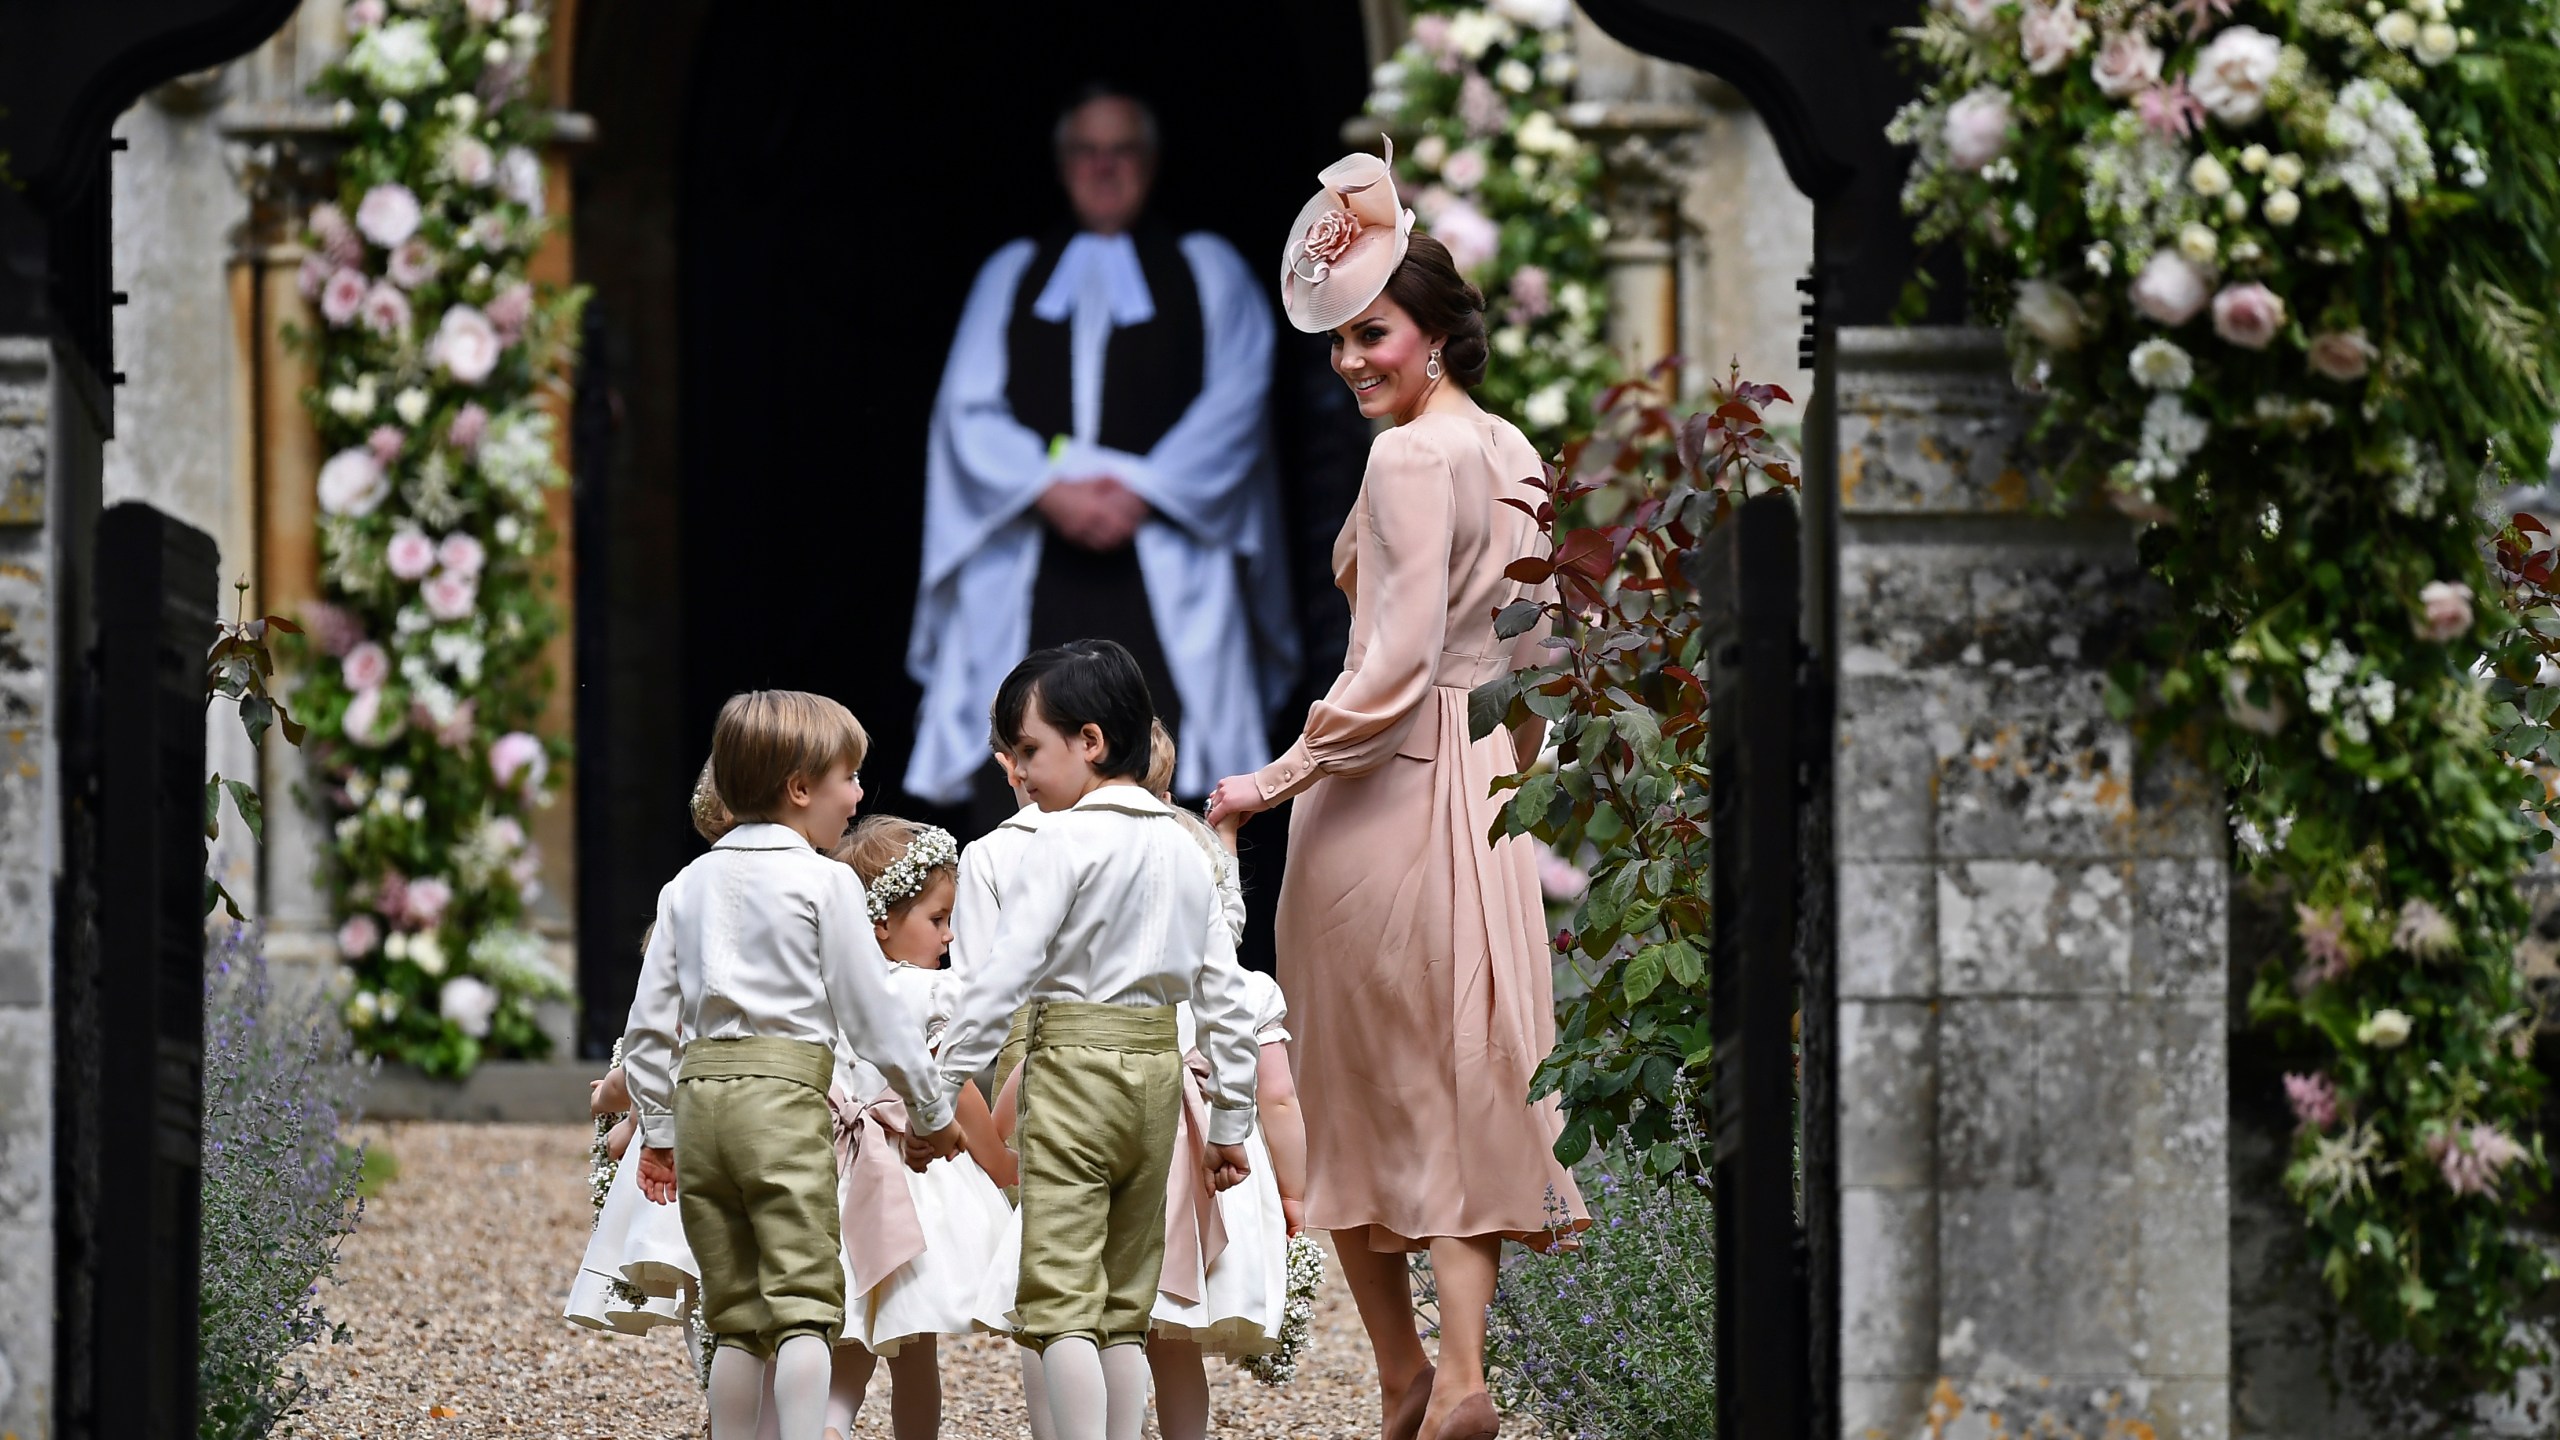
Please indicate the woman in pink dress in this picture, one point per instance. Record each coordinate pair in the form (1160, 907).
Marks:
(1413, 951)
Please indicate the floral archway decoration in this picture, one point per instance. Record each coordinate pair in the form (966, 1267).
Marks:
(2280, 272)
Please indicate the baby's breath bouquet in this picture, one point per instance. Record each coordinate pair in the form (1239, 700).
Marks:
(1297, 1315)
(2281, 272)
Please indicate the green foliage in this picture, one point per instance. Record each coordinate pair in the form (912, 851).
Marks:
(241, 668)
(2386, 208)
(1626, 712)
(1484, 160)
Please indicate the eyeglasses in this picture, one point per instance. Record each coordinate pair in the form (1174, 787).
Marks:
(1078, 152)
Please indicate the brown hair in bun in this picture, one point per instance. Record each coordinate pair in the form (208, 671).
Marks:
(1429, 288)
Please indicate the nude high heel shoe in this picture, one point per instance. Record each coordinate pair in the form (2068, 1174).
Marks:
(1406, 1423)
(1473, 1418)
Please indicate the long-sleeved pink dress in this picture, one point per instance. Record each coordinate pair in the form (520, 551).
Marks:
(1414, 953)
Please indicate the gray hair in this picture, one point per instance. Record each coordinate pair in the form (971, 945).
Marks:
(1100, 91)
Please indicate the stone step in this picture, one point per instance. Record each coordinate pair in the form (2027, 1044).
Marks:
(510, 1092)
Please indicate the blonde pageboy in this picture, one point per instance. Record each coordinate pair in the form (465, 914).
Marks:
(763, 954)
(1111, 919)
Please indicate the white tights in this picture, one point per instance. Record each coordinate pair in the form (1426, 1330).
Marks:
(915, 1390)
(1091, 1394)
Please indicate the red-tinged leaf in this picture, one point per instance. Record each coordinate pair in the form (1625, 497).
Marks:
(1683, 674)
(2528, 522)
(1561, 685)
(1522, 506)
(1587, 552)
(1530, 570)
(278, 622)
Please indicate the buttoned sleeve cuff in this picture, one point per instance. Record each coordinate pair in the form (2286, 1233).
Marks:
(658, 1129)
(936, 1114)
(1230, 1126)
(1286, 776)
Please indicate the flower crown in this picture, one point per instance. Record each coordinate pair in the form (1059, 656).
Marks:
(932, 849)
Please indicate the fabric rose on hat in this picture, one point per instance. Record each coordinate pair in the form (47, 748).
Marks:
(2170, 289)
(342, 297)
(1977, 129)
(2126, 64)
(366, 667)
(517, 762)
(388, 215)
(2342, 354)
(466, 345)
(352, 483)
(2248, 315)
(2232, 74)
(410, 555)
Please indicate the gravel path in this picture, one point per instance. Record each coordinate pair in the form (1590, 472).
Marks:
(452, 1294)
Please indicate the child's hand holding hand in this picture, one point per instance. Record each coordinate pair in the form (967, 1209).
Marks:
(1294, 1214)
(608, 1096)
(1228, 1166)
(617, 1140)
(925, 1147)
(658, 1174)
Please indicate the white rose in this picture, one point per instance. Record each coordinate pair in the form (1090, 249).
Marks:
(2207, 178)
(2282, 207)
(1514, 76)
(393, 114)
(1976, 14)
(2235, 206)
(1977, 128)
(470, 163)
(410, 405)
(2399, 29)
(2048, 36)
(466, 345)
(2232, 74)
(1430, 151)
(2051, 314)
(2387, 1030)
(1546, 408)
(2170, 289)
(499, 52)
(468, 1002)
(2437, 43)
(464, 108)
(352, 482)
(2198, 244)
(2159, 364)
(1536, 14)
(520, 178)
(2254, 159)
(2126, 64)
(2446, 611)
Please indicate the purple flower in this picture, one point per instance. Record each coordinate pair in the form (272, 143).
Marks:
(2314, 1100)
(333, 629)
(2472, 1157)
(341, 296)
(2325, 952)
(386, 311)
(388, 214)
(313, 276)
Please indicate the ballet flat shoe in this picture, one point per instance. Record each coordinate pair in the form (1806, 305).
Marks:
(1471, 1419)
(1406, 1423)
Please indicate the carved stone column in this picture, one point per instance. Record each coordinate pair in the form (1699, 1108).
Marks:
(1648, 149)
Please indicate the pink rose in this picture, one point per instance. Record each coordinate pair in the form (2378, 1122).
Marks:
(1472, 239)
(450, 597)
(527, 873)
(2248, 315)
(386, 442)
(314, 275)
(371, 723)
(1977, 128)
(363, 15)
(413, 264)
(386, 310)
(2169, 112)
(2445, 611)
(1431, 36)
(2342, 354)
(520, 180)
(466, 345)
(2170, 288)
(2232, 73)
(410, 555)
(352, 483)
(365, 667)
(517, 761)
(334, 629)
(2126, 65)
(469, 424)
(337, 239)
(458, 728)
(342, 296)
(511, 307)
(1465, 170)
(2314, 1100)
(2048, 36)
(460, 553)
(1530, 295)
(391, 895)
(426, 901)
(388, 215)
(471, 163)
(358, 936)
(1560, 880)
(2326, 954)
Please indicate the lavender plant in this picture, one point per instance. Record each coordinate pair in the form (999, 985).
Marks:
(1616, 1338)
(279, 1187)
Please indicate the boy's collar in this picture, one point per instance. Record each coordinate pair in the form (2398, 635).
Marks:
(1133, 799)
(764, 835)
(1026, 818)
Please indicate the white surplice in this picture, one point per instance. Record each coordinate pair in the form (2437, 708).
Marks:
(1212, 552)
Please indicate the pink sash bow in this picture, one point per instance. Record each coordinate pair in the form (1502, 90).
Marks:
(881, 1231)
(1195, 1230)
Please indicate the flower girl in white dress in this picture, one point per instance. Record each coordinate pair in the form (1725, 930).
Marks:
(917, 1245)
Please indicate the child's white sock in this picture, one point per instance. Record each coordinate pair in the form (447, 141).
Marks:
(1035, 1396)
(845, 1387)
(1124, 1378)
(737, 1393)
(915, 1390)
(1182, 1389)
(1078, 1401)
(800, 1370)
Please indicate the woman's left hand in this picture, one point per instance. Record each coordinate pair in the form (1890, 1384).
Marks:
(1235, 797)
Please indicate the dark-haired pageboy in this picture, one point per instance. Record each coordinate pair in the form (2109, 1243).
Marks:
(1111, 918)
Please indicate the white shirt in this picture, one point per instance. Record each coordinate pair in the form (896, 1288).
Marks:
(1112, 903)
(764, 936)
(977, 902)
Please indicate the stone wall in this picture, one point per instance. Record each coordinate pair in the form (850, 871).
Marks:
(2034, 1212)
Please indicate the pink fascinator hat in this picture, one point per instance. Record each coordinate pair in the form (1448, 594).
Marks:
(1345, 244)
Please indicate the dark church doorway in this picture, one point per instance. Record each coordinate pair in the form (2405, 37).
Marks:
(781, 218)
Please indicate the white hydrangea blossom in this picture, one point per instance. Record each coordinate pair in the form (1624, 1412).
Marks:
(2378, 151)
(2171, 435)
(2136, 181)
(398, 58)
(516, 456)
(2331, 688)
